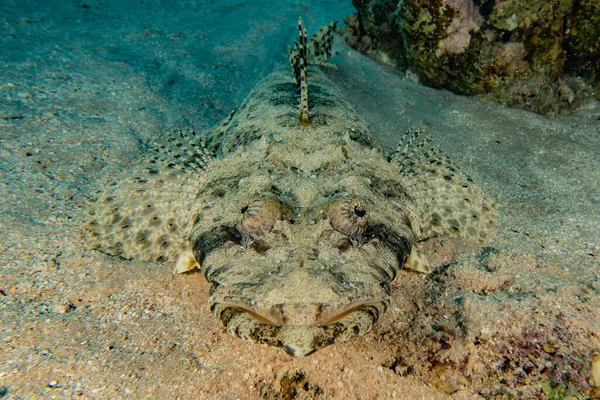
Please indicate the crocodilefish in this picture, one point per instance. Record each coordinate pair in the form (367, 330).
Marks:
(290, 209)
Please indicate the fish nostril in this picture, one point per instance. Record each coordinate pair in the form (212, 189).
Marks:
(260, 247)
(345, 245)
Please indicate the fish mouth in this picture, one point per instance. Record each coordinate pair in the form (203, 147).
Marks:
(316, 314)
(336, 325)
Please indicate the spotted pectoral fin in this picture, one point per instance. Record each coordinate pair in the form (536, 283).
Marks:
(147, 215)
(449, 203)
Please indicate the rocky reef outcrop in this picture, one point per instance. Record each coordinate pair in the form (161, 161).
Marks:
(540, 55)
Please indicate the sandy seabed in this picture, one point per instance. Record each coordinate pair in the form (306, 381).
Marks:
(85, 86)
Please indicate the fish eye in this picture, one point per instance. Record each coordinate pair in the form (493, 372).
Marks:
(258, 216)
(360, 211)
(348, 216)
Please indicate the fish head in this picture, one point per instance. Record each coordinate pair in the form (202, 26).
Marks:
(301, 279)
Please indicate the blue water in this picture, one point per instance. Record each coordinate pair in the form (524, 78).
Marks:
(192, 52)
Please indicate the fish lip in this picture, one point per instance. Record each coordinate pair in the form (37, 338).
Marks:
(299, 340)
(330, 315)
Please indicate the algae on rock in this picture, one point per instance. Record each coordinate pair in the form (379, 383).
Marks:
(521, 53)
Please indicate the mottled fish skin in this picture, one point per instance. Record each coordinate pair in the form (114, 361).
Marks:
(299, 228)
(307, 228)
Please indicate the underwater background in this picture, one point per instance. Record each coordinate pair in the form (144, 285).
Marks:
(86, 86)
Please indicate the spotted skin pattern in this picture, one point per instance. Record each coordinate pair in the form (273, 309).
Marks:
(300, 227)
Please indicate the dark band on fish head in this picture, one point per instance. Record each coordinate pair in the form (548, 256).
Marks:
(208, 241)
(391, 238)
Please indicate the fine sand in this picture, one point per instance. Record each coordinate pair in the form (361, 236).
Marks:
(86, 86)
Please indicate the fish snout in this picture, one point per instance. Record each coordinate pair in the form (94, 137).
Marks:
(309, 333)
(312, 313)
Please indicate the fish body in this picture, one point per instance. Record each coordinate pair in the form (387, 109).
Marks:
(294, 215)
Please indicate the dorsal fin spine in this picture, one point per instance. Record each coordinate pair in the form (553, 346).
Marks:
(315, 52)
(303, 110)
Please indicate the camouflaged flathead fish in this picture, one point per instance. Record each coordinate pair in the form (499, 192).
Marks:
(296, 218)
